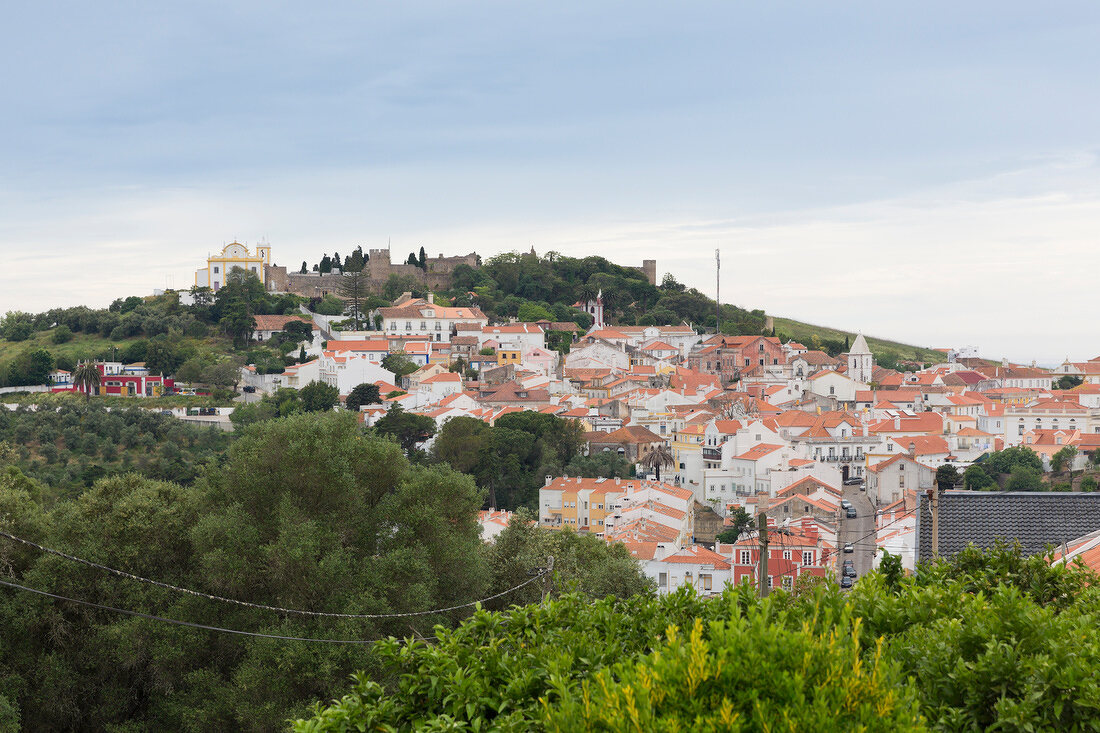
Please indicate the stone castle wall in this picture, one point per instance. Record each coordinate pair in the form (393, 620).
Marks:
(436, 275)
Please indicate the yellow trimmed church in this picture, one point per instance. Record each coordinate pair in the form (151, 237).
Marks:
(233, 255)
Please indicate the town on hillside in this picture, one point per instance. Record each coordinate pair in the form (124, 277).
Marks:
(712, 455)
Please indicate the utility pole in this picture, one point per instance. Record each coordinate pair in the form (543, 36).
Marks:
(717, 291)
(548, 579)
(762, 583)
(935, 521)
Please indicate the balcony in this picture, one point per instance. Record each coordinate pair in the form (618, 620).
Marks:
(712, 454)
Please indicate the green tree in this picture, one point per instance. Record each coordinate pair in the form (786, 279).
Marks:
(399, 363)
(1005, 460)
(463, 443)
(319, 397)
(659, 456)
(582, 563)
(354, 288)
(62, 334)
(330, 305)
(946, 477)
(1062, 461)
(1024, 478)
(422, 260)
(31, 367)
(534, 312)
(86, 378)
(740, 524)
(298, 330)
(976, 479)
(362, 394)
(408, 428)
(1068, 381)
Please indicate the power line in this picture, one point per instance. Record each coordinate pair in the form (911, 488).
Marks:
(190, 624)
(277, 609)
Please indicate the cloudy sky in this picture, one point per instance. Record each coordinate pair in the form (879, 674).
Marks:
(924, 171)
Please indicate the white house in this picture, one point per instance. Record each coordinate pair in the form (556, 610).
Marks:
(347, 370)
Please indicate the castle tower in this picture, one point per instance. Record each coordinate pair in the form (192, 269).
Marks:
(861, 362)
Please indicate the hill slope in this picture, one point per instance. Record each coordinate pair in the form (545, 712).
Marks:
(804, 333)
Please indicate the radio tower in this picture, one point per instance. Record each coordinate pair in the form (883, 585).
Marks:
(717, 291)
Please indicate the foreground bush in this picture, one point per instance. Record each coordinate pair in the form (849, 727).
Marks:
(951, 649)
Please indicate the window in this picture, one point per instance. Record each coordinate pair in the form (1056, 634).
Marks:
(662, 579)
(746, 557)
(769, 581)
(408, 325)
(832, 390)
(215, 269)
(253, 268)
(786, 554)
(787, 581)
(707, 581)
(807, 558)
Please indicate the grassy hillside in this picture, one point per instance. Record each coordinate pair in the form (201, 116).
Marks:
(804, 333)
(82, 346)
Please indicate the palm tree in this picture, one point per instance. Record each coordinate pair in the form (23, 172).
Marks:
(86, 377)
(659, 456)
(585, 293)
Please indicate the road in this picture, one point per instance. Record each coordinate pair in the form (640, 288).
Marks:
(859, 531)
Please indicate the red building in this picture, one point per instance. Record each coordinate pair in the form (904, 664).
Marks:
(799, 550)
(128, 380)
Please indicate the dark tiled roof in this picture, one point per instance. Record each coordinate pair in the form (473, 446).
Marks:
(1035, 519)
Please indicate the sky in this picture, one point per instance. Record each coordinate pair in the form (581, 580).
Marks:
(924, 172)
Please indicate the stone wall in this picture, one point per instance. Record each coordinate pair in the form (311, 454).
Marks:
(436, 276)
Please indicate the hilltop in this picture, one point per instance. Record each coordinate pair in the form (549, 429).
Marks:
(805, 333)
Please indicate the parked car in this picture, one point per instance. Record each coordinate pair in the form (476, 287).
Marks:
(845, 504)
(248, 388)
(848, 572)
(852, 481)
(848, 548)
(845, 582)
(851, 512)
(863, 487)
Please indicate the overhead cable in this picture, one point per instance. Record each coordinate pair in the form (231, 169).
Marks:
(247, 604)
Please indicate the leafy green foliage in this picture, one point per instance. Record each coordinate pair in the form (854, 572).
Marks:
(748, 673)
(362, 394)
(1004, 461)
(409, 429)
(306, 512)
(740, 524)
(319, 397)
(975, 478)
(990, 641)
(60, 445)
(511, 458)
(1068, 381)
(399, 363)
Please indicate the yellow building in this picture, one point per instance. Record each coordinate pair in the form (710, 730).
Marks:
(233, 255)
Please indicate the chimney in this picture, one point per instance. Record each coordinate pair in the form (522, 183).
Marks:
(431, 298)
(912, 449)
(897, 422)
(549, 480)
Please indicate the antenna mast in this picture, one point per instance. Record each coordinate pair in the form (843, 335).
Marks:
(717, 291)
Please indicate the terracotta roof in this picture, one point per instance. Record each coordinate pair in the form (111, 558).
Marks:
(278, 323)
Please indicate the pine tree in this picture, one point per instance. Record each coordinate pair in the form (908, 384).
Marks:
(304, 270)
(336, 261)
(423, 263)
